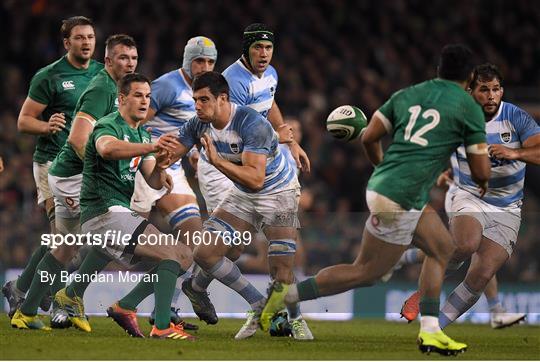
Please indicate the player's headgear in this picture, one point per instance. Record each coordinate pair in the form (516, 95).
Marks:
(253, 33)
(198, 47)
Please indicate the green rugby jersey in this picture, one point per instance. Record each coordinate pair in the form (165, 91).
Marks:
(428, 121)
(109, 182)
(59, 86)
(98, 100)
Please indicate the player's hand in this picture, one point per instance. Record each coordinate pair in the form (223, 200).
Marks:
(56, 123)
(300, 156)
(194, 159)
(1, 165)
(167, 181)
(163, 159)
(211, 151)
(483, 188)
(168, 142)
(445, 179)
(285, 133)
(501, 152)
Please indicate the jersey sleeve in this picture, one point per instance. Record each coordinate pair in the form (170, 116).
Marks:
(475, 125)
(163, 94)
(40, 88)
(238, 91)
(95, 103)
(188, 134)
(275, 75)
(145, 134)
(525, 125)
(258, 136)
(386, 113)
(104, 129)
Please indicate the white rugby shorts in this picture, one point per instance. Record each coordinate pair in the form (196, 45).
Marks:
(500, 224)
(214, 185)
(41, 170)
(390, 222)
(67, 195)
(119, 220)
(279, 208)
(144, 196)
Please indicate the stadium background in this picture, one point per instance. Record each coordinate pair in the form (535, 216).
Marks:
(327, 53)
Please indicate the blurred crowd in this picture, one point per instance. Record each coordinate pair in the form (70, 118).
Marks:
(327, 53)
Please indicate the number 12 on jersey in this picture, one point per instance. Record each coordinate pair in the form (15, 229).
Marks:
(416, 137)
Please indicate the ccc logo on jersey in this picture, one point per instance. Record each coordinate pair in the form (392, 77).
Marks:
(68, 84)
(134, 163)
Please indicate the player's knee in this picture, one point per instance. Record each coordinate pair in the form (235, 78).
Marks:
(183, 256)
(235, 253)
(446, 250)
(64, 253)
(203, 257)
(463, 250)
(478, 281)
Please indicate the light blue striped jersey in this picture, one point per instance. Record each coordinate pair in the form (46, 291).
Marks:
(510, 127)
(172, 99)
(247, 131)
(286, 151)
(246, 89)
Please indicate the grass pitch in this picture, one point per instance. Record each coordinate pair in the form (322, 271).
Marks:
(358, 339)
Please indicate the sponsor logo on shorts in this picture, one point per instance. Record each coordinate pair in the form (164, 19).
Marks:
(70, 202)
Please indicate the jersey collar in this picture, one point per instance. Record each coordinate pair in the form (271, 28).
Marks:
(183, 78)
(243, 66)
(233, 112)
(498, 112)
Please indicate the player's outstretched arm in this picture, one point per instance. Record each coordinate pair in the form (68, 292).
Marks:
(153, 170)
(530, 152)
(28, 121)
(478, 160)
(111, 148)
(300, 156)
(371, 140)
(82, 126)
(250, 173)
(275, 117)
(283, 130)
(170, 143)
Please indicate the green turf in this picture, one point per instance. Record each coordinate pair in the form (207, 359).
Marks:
(359, 339)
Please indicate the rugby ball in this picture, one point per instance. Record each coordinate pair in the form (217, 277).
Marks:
(346, 123)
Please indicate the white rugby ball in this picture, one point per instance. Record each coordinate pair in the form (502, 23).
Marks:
(346, 123)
